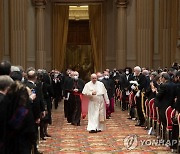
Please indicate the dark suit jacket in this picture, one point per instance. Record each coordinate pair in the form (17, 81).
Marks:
(110, 87)
(2, 122)
(142, 81)
(177, 92)
(67, 85)
(38, 104)
(165, 96)
(124, 81)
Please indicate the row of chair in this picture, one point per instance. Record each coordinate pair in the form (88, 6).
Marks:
(153, 123)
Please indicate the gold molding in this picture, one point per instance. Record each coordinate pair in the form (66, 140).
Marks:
(78, 15)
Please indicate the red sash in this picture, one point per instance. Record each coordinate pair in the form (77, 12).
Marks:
(84, 105)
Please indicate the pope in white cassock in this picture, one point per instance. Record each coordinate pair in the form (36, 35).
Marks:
(98, 99)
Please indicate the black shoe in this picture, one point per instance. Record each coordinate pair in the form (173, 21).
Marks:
(92, 131)
(107, 117)
(143, 125)
(129, 118)
(98, 130)
(78, 124)
(146, 128)
(138, 124)
(47, 135)
(42, 138)
(37, 152)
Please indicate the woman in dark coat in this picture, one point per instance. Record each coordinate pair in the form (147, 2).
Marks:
(19, 125)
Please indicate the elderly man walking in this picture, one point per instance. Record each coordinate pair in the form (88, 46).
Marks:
(97, 94)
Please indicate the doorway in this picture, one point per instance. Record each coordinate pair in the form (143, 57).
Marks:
(79, 50)
(77, 41)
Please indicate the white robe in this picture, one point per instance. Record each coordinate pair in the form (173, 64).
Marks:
(96, 106)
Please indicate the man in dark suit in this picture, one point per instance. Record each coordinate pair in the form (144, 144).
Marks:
(67, 86)
(38, 107)
(177, 105)
(138, 89)
(175, 128)
(165, 96)
(5, 82)
(57, 87)
(125, 85)
(110, 87)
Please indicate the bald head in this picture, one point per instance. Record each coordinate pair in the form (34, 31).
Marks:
(31, 75)
(93, 78)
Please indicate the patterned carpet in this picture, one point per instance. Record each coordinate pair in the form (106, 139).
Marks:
(121, 136)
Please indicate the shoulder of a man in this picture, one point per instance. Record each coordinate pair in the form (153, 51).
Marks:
(99, 82)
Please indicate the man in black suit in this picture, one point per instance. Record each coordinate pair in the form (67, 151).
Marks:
(57, 87)
(138, 89)
(38, 107)
(125, 79)
(177, 105)
(110, 87)
(175, 128)
(5, 82)
(67, 86)
(165, 96)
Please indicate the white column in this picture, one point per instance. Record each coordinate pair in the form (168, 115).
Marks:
(144, 32)
(18, 31)
(121, 42)
(40, 46)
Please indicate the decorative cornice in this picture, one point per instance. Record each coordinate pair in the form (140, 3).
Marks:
(76, 1)
(121, 3)
(39, 2)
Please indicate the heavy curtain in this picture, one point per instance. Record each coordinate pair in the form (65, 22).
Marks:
(95, 23)
(60, 32)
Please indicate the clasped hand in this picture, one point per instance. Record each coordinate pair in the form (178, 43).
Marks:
(75, 90)
(94, 93)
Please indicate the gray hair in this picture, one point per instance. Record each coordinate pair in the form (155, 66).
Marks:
(15, 68)
(5, 82)
(165, 75)
(145, 72)
(137, 68)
